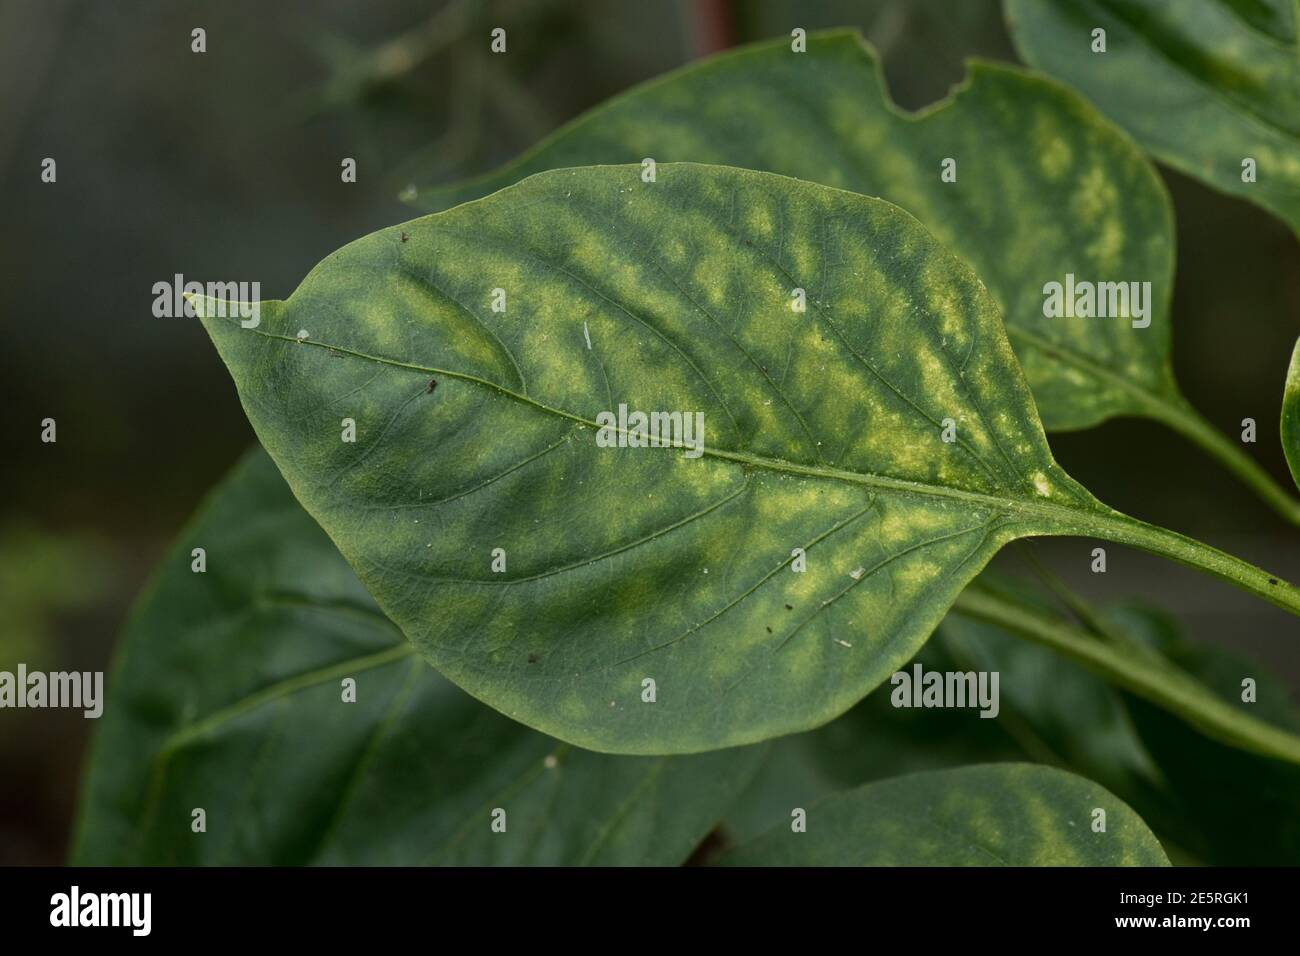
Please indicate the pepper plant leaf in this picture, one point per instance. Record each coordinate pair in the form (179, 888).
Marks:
(1208, 87)
(1044, 190)
(991, 815)
(1230, 807)
(228, 697)
(886, 431)
(1049, 710)
(1044, 187)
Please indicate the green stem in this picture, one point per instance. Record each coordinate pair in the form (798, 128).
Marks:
(1122, 529)
(1080, 608)
(1188, 422)
(402, 54)
(1164, 686)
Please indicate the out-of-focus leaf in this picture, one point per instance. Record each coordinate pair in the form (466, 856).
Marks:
(993, 815)
(1203, 85)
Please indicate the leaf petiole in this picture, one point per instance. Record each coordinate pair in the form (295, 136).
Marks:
(1122, 529)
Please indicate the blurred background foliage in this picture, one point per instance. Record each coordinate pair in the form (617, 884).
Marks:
(226, 165)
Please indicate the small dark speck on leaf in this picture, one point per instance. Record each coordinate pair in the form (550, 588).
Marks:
(769, 630)
(748, 243)
(405, 237)
(1272, 580)
(433, 383)
(532, 658)
(789, 607)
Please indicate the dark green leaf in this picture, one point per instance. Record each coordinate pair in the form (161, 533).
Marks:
(995, 815)
(228, 697)
(1203, 85)
(1056, 711)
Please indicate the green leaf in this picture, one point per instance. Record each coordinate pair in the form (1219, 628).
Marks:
(823, 432)
(1201, 84)
(554, 578)
(1291, 415)
(1051, 711)
(1216, 802)
(995, 815)
(1045, 187)
(874, 741)
(227, 696)
(1229, 806)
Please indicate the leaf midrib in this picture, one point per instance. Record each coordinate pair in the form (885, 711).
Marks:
(1053, 511)
(280, 690)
